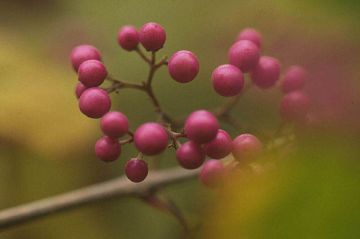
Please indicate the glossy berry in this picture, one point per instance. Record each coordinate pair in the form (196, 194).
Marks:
(92, 73)
(107, 149)
(252, 35)
(151, 138)
(246, 147)
(212, 172)
(114, 124)
(294, 79)
(183, 66)
(152, 36)
(128, 38)
(294, 106)
(244, 54)
(190, 155)
(219, 147)
(201, 126)
(94, 102)
(83, 53)
(136, 170)
(266, 73)
(79, 89)
(227, 80)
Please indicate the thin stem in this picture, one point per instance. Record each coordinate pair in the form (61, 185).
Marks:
(142, 55)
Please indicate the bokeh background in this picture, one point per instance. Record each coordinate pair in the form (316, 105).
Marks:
(46, 144)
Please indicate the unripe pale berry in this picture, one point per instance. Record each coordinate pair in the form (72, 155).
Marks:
(94, 102)
(201, 126)
(294, 79)
(183, 66)
(246, 147)
(114, 124)
(244, 54)
(212, 172)
(128, 38)
(252, 35)
(190, 155)
(219, 147)
(294, 106)
(151, 138)
(266, 72)
(227, 80)
(152, 36)
(79, 89)
(83, 53)
(92, 73)
(136, 170)
(107, 149)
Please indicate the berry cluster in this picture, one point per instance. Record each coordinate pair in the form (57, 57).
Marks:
(201, 133)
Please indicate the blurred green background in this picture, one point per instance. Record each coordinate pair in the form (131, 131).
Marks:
(46, 144)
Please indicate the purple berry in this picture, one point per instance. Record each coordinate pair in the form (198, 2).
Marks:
(79, 89)
(136, 170)
(128, 38)
(114, 124)
(151, 138)
(83, 53)
(152, 36)
(212, 172)
(201, 126)
(190, 155)
(294, 79)
(246, 146)
(183, 66)
(107, 149)
(250, 34)
(219, 147)
(227, 80)
(266, 73)
(244, 54)
(295, 106)
(94, 102)
(92, 73)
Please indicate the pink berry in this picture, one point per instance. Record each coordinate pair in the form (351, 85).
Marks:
(294, 106)
(219, 147)
(128, 38)
(79, 89)
(114, 124)
(183, 66)
(201, 126)
(151, 138)
(92, 73)
(152, 36)
(94, 102)
(246, 146)
(190, 155)
(212, 172)
(252, 35)
(227, 80)
(294, 79)
(136, 170)
(244, 54)
(266, 73)
(83, 53)
(107, 149)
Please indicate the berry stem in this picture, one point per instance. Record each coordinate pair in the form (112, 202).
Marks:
(142, 55)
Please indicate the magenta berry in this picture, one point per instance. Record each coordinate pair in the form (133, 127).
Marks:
(136, 170)
(294, 106)
(183, 66)
(83, 53)
(201, 126)
(266, 73)
(252, 35)
(107, 149)
(152, 36)
(294, 79)
(212, 172)
(94, 102)
(227, 80)
(151, 138)
(219, 147)
(244, 54)
(92, 73)
(114, 124)
(128, 38)
(246, 146)
(79, 89)
(190, 155)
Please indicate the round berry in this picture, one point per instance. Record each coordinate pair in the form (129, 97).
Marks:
(92, 73)
(246, 146)
(136, 170)
(79, 89)
(219, 147)
(227, 80)
(294, 106)
(244, 54)
(212, 172)
(152, 36)
(294, 79)
(94, 102)
(107, 149)
(266, 73)
(250, 34)
(201, 126)
(190, 155)
(114, 124)
(128, 38)
(151, 138)
(183, 66)
(83, 53)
